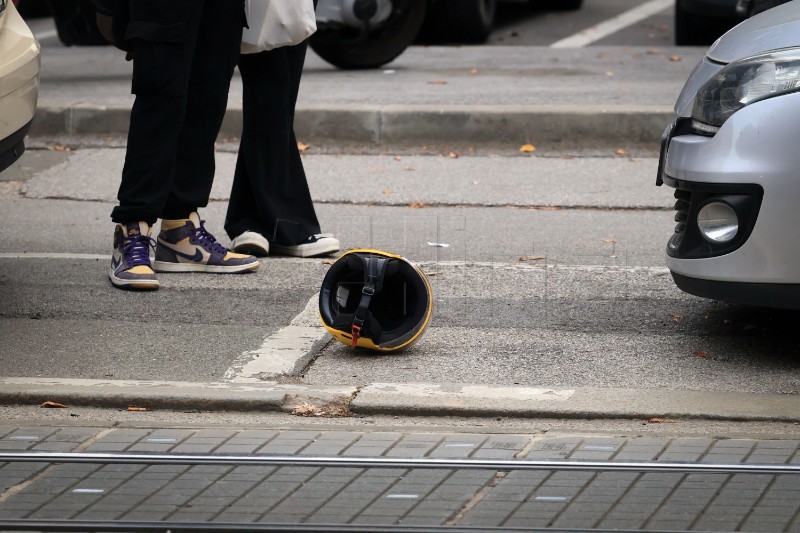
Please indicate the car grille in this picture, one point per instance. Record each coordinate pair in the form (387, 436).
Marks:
(683, 199)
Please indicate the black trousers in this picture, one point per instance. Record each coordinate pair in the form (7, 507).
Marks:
(270, 193)
(184, 55)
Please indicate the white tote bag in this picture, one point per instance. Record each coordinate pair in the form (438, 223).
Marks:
(276, 23)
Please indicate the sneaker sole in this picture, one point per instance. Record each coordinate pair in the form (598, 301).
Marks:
(250, 249)
(161, 266)
(134, 285)
(309, 252)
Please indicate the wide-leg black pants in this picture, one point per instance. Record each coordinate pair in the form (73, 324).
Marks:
(270, 193)
(184, 55)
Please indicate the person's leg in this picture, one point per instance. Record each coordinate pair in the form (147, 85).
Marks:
(184, 245)
(162, 35)
(270, 193)
(214, 59)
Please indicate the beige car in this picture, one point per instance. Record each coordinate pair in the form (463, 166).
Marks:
(19, 82)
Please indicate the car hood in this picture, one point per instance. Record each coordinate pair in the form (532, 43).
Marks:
(773, 29)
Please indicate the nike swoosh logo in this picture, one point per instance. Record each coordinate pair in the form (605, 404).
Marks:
(115, 262)
(197, 257)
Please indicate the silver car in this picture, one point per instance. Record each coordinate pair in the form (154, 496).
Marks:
(733, 158)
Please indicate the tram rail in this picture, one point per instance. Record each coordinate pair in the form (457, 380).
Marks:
(392, 462)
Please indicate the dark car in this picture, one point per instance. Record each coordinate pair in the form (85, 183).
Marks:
(701, 22)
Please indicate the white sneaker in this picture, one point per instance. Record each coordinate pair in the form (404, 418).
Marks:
(316, 245)
(251, 243)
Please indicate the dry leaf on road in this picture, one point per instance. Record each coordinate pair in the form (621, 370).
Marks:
(621, 151)
(134, 408)
(609, 241)
(303, 147)
(675, 59)
(437, 82)
(701, 353)
(677, 317)
(657, 420)
(417, 205)
(527, 148)
(53, 405)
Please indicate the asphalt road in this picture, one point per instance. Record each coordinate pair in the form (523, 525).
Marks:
(528, 294)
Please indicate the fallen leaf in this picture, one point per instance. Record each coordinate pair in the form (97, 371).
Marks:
(475, 182)
(453, 155)
(134, 408)
(677, 317)
(53, 405)
(609, 241)
(675, 59)
(610, 74)
(621, 152)
(473, 71)
(437, 82)
(387, 192)
(410, 169)
(327, 262)
(527, 148)
(634, 159)
(59, 148)
(567, 157)
(431, 274)
(701, 353)
(417, 205)
(531, 257)
(398, 158)
(662, 421)
(303, 147)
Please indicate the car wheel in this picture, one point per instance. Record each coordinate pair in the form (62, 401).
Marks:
(461, 21)
(348, 48)
(558, 5)
(697, 30)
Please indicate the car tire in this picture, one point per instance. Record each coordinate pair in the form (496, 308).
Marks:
(460, 21)
(347, 49)
(697, 30)
(558, 5)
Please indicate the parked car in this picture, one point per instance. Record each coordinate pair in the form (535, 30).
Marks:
(472, 21)
(19, 82)
(731, 156)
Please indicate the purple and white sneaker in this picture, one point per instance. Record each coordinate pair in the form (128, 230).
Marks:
(191, 248)
(130, 262)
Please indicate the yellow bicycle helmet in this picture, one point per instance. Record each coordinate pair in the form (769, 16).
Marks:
(375, 300)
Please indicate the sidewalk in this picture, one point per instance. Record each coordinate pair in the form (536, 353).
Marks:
(492, 95)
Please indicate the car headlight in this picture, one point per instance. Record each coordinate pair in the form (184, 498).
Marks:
(743, 82)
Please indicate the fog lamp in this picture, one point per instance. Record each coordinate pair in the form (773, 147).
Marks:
(718, 222)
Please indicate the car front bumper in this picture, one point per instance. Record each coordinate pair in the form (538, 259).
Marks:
(19, 84)
(753, 160)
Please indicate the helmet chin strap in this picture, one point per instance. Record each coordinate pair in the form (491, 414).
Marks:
(374, 273)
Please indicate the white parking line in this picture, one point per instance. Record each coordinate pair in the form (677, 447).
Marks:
(285, 352)
(613, 25)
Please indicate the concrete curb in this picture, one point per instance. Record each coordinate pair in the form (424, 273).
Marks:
(414, 399)
(584, 125)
